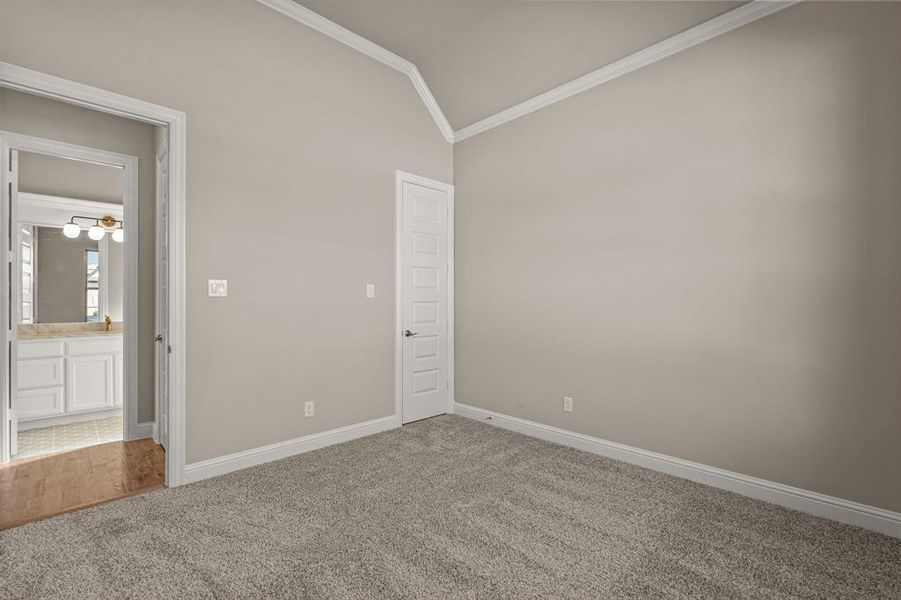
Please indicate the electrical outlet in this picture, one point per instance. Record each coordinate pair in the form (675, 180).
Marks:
(567, 404)
(309, 408)
(370, 290)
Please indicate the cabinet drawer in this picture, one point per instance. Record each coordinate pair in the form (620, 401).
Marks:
(94, 346)
(34, 404)
(40, 373)
(39, 349)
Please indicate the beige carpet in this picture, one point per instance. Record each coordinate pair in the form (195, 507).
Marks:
(445, 508)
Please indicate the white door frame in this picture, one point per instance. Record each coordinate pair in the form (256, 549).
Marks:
(400, 178)
(129, 165)
(160, 429)
(49, 86)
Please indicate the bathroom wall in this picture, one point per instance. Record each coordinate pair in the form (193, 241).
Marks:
(60, 277)
(116, 267)
(53, 176)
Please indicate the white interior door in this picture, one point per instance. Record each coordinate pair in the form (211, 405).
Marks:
(162, 297)
(10, 310)
(424, 300)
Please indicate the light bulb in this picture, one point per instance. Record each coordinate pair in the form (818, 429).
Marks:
(119, 235)
(96, 232)
(71, 230)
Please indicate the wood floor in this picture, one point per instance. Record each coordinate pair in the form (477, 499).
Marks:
(36, 488)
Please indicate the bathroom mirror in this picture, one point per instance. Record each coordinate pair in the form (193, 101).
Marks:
(60, 277)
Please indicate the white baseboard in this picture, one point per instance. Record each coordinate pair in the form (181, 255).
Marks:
(257, 456)
(144, 430)
(820, 505)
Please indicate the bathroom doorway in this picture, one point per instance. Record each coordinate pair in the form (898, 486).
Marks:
(73, 295)
(157, 456)
(73, 434)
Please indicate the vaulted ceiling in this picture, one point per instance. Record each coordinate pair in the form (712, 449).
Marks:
(481, 56)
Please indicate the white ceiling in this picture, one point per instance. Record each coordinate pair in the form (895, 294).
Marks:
(481, 56)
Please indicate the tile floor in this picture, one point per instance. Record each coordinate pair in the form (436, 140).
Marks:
(44, 440)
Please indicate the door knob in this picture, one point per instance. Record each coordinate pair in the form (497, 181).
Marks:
(409, 333)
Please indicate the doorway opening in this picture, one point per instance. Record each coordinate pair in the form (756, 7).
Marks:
(71, 316)
(165, 325)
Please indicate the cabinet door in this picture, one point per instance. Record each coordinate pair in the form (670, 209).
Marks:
(119, 379)
(89, 382)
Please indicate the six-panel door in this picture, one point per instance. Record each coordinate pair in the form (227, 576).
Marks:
(425, 356)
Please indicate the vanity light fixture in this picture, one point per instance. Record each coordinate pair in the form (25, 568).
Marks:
(98, 229)
(71, 230)
(96, 232)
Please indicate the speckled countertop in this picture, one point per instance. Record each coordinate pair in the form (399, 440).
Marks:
(43, 331)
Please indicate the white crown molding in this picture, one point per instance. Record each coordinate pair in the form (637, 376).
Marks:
(820, 505)
(67, 205)
(55, 211)
(256, 456)
(430, 103)
(717, 26)
(315, 21)
(698, 34)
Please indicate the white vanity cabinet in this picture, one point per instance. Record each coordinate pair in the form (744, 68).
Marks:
(68, 376)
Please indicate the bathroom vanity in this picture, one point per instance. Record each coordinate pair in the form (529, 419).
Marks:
(67, 377)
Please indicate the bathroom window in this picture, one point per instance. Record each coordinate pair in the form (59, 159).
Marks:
(92, 285)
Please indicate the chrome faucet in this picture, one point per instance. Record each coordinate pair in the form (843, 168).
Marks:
(109, 324)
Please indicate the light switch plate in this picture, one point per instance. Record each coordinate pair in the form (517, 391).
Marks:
(370, 290)
(217, 288)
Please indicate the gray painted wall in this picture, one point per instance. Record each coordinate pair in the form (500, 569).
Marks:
(116, 294)
(41, 117)
(704, 253)
(293, 141)
(61, 276)
(42, 174)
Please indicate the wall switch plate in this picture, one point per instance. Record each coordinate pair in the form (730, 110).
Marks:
(567, 404)
(370, 290)
(309, 408)
(217, 288)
